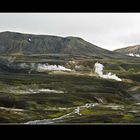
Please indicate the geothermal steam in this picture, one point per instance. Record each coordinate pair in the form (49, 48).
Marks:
(99, 70)
(44, 67)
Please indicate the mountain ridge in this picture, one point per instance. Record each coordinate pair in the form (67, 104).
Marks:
(135, 49)
(21, 43)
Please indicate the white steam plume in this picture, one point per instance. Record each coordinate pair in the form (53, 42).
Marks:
(44, 67)
(99, 71)
(11, 59)
(23, 65)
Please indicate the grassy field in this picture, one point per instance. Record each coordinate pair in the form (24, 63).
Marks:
(26, 97)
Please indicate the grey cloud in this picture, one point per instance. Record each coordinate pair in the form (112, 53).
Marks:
(108, 30)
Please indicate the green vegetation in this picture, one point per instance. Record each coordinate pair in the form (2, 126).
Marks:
(79, 88)
(21, 99)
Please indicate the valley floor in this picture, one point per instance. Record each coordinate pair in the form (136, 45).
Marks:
(67, 98)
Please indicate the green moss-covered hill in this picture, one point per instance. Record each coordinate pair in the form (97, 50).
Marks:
(26, 44)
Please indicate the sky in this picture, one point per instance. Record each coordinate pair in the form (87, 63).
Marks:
(107, 30)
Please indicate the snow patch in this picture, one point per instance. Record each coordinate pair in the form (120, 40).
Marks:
(115, 107)
(90, 105)
(133, 55)
(50, 90)
(34, 91)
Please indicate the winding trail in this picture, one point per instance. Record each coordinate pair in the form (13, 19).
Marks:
(59, 119)
(76, 110)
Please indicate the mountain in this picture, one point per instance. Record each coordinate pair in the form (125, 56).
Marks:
(131, 49)
(26, 44)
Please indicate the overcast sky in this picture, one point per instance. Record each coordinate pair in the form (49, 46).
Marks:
(107, 30)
